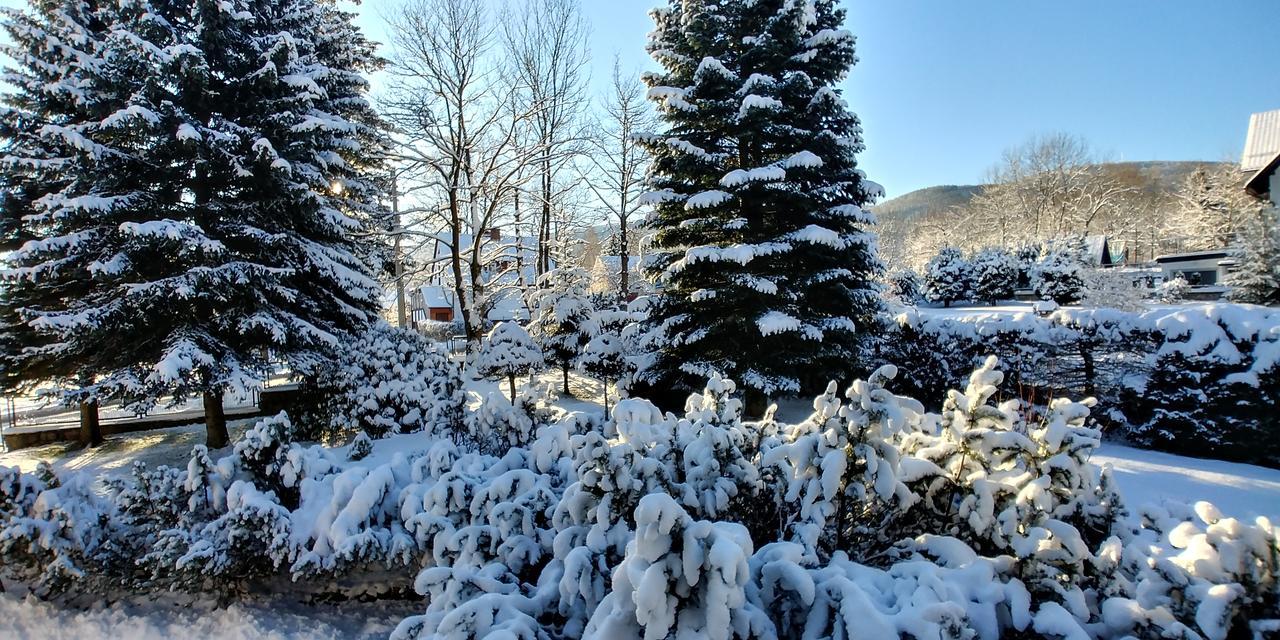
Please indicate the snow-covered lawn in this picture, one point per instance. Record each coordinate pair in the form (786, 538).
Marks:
(117, 454)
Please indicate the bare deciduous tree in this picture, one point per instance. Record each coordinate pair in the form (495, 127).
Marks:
(546, 43)
(617, 163)
(463, 129)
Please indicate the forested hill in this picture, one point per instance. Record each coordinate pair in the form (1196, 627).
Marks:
(1155, 176)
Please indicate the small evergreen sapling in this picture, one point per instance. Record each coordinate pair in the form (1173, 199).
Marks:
(508, 351)
(1056, 275)
(906, 287)
(948, 277)
(605, 353)
(995, 274)
(560, 305)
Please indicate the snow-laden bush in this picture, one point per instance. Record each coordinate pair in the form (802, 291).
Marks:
(871, 517)
(1196, 380)
(1110, 289)
(1173, 291)
(390, 381)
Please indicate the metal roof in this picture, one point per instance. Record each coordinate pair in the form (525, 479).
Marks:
(1263, 141)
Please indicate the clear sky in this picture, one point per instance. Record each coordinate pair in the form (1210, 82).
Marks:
(944, 86)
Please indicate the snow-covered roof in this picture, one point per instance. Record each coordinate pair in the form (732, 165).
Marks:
(1193, 255)
(434, 297)
(1262, 144)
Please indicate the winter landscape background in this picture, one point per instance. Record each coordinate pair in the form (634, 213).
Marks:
(424, 320)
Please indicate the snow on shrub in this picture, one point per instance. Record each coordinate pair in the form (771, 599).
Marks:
(391, 381)
(870, 517)
(1197, 380)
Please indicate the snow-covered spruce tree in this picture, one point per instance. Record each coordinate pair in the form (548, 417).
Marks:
(1256, 278)
(995, 274)
(605, 353)
(559, 305)
(906, 287)
(948, 277)
(68, 137)
(507, 352)
(761, 249)
(209, 222)
(1056, 275)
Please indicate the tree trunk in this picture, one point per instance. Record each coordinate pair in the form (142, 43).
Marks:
(511, 380)
(1086, 354)
(90, 426)
(215, 421)
(755, 403)
(565, 369)
(455, 262)
(606, 399)
(624, 253)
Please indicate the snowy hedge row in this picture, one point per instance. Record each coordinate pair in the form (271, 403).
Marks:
(872, 518)
(1197, 380)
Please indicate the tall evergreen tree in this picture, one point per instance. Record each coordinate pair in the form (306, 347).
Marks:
(764, 253)
(205, 223)
(64, 126)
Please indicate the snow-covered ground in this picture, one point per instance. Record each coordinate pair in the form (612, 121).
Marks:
(118, 452)
(30, 619)
(1240, 490)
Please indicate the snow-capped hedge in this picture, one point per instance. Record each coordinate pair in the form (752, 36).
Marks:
(872, 518)
(1197, 380)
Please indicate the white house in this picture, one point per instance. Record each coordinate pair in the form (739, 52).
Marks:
(1204, 270)
(1261, 158)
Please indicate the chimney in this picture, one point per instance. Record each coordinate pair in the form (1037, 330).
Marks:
(495, 233)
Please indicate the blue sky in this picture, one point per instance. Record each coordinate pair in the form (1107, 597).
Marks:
(944, 86)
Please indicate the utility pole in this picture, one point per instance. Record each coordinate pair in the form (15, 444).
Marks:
(399, 259)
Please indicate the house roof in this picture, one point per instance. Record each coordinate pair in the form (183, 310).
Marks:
(1193, 255)
(1262, 143)
(435, 297)
(1259, 184)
